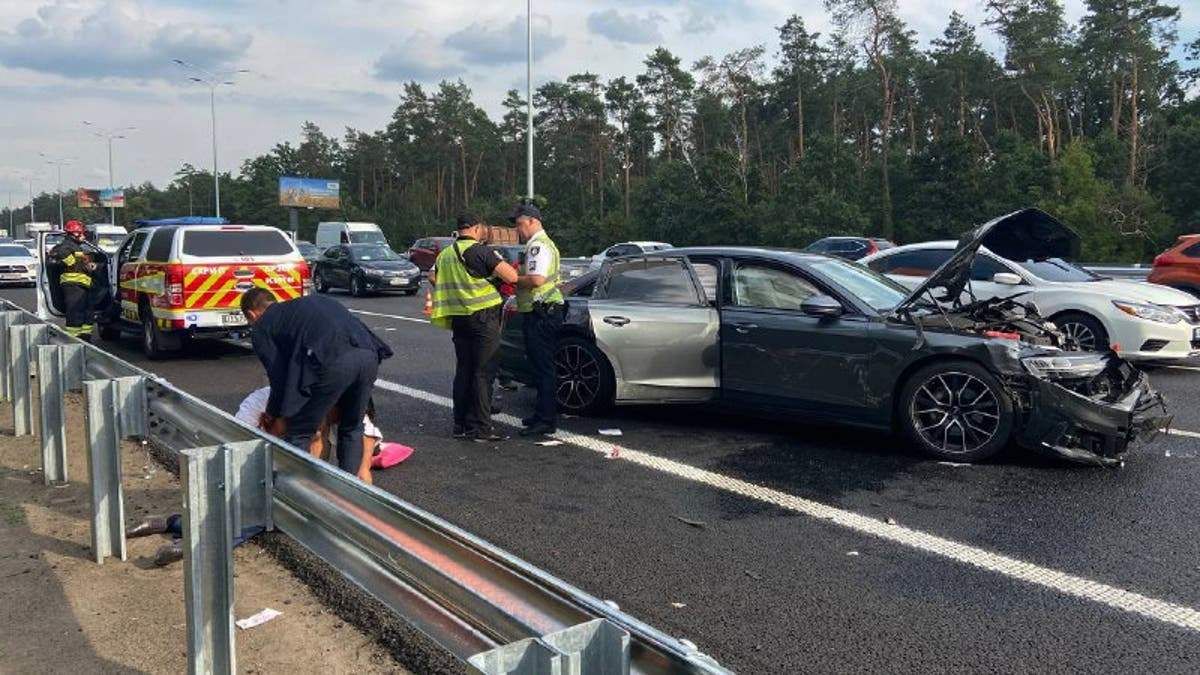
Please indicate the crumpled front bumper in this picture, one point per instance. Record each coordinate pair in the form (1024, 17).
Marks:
(1066, 424)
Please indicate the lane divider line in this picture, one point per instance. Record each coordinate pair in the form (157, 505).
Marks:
(387, 316)
(1183, 368)
(1182, 432)
(1012, 568)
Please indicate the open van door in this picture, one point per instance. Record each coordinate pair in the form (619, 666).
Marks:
(49, 289)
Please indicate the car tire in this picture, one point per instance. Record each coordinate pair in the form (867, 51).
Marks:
(585, 379)
(1085, 329)
(319, 284)
(409, 293)
(155, 343)
(956, 411)
(357, 287)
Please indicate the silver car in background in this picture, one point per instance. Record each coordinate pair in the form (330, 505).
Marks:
(17, 265)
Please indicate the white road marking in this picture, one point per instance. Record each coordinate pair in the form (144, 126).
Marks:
(1020, 570)
(1184, 368)
(387, 316)
(1182, 432)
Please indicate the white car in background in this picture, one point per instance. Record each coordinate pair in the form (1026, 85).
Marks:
(627, 248)
(17, 265)
(1146, 322)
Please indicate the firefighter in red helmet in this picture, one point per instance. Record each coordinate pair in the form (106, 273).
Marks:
(76, 280)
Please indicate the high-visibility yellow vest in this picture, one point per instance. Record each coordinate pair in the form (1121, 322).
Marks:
(548, 292)
(75, 262)
(456, 292)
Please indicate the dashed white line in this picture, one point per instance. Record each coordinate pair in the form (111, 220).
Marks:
(1012, 568)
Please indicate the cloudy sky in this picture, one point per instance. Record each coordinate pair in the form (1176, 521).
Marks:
(338, 63)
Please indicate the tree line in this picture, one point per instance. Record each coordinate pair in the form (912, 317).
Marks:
(860, 131)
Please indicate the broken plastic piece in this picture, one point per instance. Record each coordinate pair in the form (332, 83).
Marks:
(610, 432)
(258, 619)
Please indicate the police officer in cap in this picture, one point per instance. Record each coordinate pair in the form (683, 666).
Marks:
(466, 302)
(541, 304)
(75, 280)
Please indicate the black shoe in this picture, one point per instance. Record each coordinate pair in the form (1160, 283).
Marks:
(172, 552)
(155, 525)
(539, 429)
(487, 437)
(529, 421)
(496, 409)
(459, 431)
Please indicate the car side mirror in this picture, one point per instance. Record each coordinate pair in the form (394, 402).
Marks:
(1007, 279)
(822, 306)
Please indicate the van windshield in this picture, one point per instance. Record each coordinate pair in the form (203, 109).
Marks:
(367, 237)
(235, 243)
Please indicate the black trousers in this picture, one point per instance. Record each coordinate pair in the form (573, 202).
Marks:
(346, 383)
(541, 327)
(476, 339)
(78, 308)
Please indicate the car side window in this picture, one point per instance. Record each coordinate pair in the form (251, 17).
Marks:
(1192, 251)
(160, 245)
(984, 268)
(770, 288)
(918, 263)
(133, 249)
(708, 274)
(664, 281)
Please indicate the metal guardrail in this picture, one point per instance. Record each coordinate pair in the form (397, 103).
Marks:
(491, 610)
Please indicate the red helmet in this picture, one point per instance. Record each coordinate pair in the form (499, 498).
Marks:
(73, 227)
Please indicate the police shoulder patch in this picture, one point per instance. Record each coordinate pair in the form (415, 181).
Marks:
(534, 250)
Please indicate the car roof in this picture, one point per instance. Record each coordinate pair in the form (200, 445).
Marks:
(780, 254)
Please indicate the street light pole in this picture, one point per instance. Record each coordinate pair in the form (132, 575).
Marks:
(212, 80)
(110, 136)
(529, 98)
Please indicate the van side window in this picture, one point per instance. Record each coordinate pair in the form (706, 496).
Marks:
(160, 245)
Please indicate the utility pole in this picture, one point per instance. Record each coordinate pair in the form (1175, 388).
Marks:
(529, 99)
(58, 163)
(110, 135)
(212, 80)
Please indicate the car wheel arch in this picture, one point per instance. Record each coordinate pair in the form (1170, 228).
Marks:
(918, 364)
(580, 333)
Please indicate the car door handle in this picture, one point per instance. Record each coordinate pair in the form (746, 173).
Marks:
(744, 328)
(617, 321)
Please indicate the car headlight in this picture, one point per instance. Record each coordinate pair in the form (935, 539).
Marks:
(373, 273)
(1156, 313)
(1059, 367)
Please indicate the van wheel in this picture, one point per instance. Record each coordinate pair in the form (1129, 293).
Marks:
(155, 343)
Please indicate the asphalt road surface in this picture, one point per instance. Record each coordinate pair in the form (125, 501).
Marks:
(778, 546)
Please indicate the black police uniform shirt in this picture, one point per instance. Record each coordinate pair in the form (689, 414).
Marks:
(481, 260)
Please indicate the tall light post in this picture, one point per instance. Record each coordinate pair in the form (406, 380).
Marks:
(529, 98)
(212, 80)
(110, 135)
(58, 164)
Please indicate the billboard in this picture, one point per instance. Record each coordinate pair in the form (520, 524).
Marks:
(318, 193)
(88, 198)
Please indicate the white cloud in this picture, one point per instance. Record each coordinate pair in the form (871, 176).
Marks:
(486, 44)
(628, 28)
(418, 58)
(115, 39)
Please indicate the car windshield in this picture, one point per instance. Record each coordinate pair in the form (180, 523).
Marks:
(109, 242)
(368, 253)
(14, 252)
(1057, 269)
(878, 291)
(367, 237)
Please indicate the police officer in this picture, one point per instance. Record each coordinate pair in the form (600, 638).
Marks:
(75, 280)
(541, 304)
(466, 302)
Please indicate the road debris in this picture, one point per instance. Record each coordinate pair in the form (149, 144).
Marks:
(693, 523)
(954, 464)
(754, 575)
(549, 444)
(890, 521)
(679, 605)
(611, 432)
(258, 619)
(613, 453)
(852, 553)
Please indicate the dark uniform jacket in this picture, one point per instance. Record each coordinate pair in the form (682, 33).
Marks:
(295, 340)
(74, 260)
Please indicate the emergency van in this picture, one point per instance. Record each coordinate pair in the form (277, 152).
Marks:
(180, 279)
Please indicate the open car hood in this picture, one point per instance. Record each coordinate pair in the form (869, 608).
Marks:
(1028, 234)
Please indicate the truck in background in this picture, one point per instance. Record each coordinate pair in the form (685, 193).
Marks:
(336, 233)
(107, 237)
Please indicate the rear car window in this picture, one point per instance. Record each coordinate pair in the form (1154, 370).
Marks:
(1192, 251)
(663, 281)
(234, 243)
(160, 245)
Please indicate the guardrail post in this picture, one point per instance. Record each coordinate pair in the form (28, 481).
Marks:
(524, 657)
(598, 647)
(8, 319)
(115, 409)
(208, 479)
(20, 342)
(61, 368)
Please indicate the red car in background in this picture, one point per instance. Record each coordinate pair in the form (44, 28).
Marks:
(1179, 266)
(425, 250)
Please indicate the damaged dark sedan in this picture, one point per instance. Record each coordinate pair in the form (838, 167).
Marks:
(820, 339)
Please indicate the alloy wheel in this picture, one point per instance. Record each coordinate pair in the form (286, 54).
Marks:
(955, 412)
(578, 375)
(1081, 333)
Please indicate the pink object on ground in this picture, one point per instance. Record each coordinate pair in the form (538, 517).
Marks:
(390, 454)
